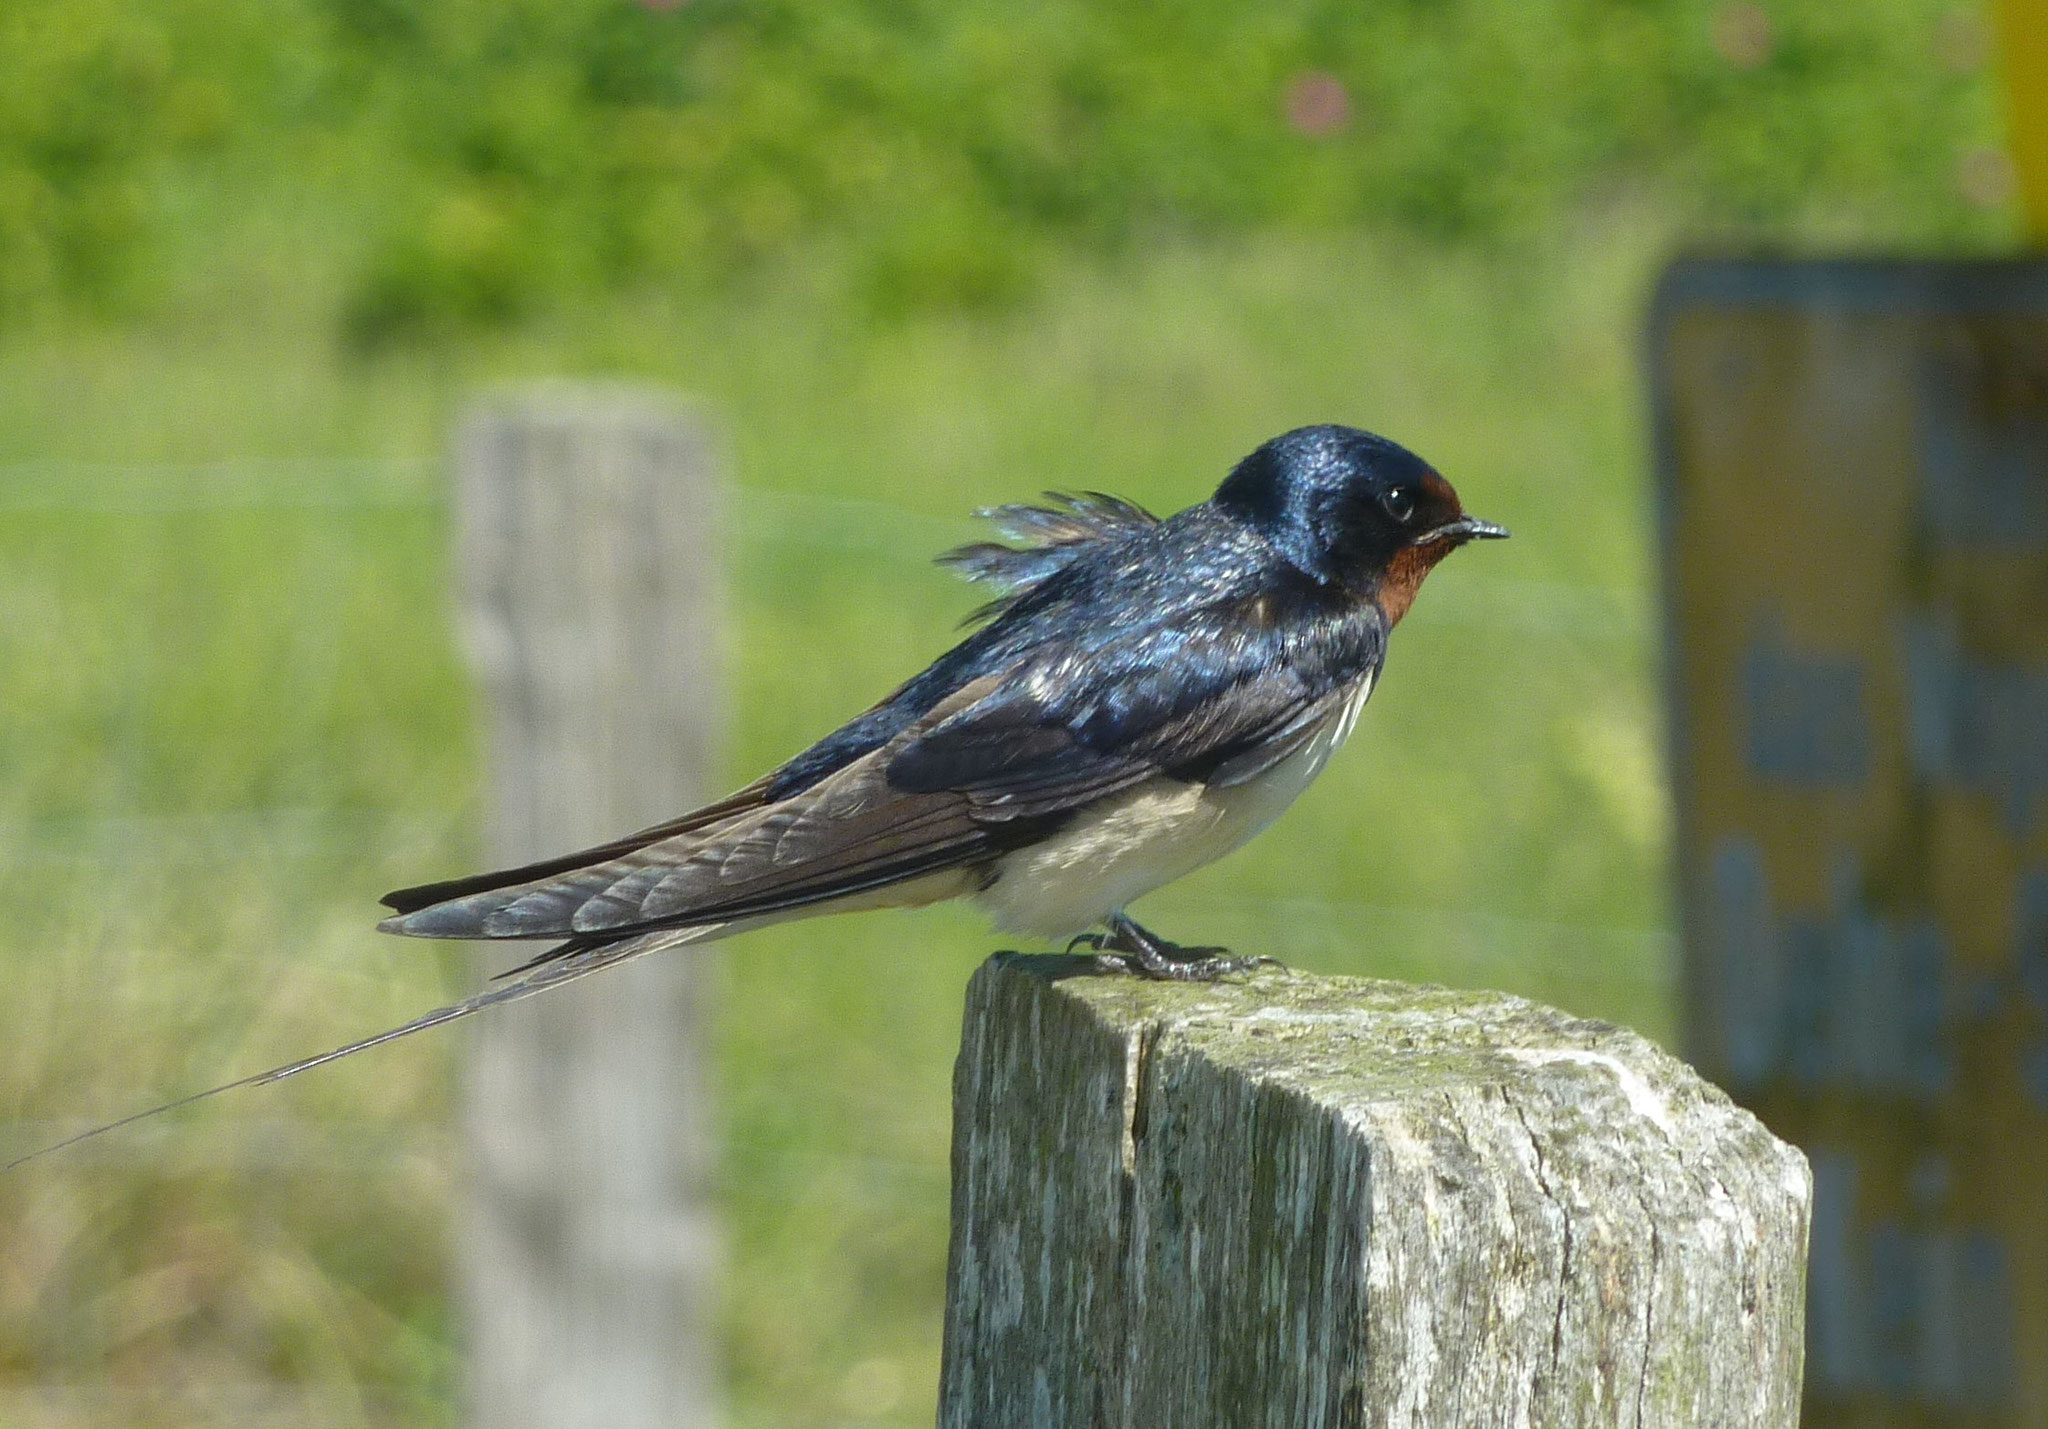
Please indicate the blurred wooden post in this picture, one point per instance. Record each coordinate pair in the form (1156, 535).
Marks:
(1854, 489)
(1297, 1200)
(587, 520)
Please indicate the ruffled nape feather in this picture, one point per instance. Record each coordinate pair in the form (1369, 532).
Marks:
(1051, 535)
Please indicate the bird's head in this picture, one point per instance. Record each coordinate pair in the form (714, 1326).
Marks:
(1352, 509)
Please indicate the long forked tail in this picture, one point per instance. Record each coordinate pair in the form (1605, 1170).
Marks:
(541, 976)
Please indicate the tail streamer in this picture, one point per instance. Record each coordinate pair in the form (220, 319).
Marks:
(547, 974)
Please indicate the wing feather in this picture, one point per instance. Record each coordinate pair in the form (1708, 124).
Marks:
(409, 900)
(1215, 694)
(849, 832)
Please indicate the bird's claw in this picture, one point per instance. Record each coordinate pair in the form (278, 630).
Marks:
(1195, 969)
(1128, 948)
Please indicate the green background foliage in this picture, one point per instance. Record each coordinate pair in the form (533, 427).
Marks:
(448, 163)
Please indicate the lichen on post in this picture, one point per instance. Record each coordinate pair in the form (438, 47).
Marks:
(1290, 1200)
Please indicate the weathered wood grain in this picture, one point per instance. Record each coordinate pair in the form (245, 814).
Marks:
(587, 518)
(1290, 1200)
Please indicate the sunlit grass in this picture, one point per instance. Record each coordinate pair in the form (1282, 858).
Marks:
(231, 714)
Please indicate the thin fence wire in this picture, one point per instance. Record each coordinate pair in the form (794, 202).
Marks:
(766, 517)
(763, 519)
(1577, 612)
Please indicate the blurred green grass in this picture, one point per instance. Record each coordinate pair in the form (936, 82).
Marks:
(231, 714)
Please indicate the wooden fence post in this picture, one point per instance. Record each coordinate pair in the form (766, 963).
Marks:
(586, 520)
(1303, 1201)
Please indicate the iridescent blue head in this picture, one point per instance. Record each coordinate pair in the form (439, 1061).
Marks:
(1351, 509)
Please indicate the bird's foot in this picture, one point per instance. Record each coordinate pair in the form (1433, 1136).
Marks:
(1129, 948)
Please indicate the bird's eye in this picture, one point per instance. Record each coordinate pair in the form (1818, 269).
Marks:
(1400, 504)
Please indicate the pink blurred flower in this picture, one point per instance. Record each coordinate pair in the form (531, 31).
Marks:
(1316, 103)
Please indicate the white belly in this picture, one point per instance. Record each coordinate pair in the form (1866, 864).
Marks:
(1137, 841)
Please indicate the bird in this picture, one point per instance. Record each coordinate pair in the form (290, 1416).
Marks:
(1141, 696)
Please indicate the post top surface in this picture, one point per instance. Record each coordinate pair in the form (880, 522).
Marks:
(1363, 1046)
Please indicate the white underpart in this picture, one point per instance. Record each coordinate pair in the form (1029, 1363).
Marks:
(1146, 837)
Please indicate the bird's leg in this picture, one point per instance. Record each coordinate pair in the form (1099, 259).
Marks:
(1130, 948)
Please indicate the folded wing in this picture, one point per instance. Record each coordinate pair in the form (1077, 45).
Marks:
(1002, 761)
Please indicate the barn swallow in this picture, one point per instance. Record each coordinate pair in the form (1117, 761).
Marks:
(1141, 697)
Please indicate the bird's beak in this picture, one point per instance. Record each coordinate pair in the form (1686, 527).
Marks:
(1467, 528)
